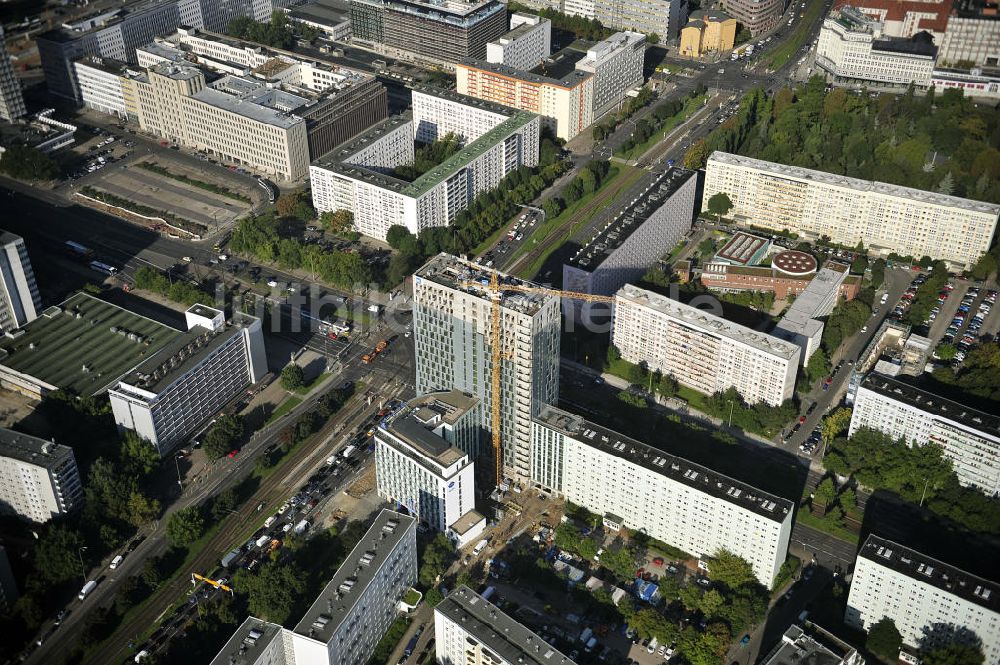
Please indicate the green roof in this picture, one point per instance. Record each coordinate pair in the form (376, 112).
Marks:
(84, 344)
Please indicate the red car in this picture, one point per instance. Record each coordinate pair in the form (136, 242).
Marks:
(802, 420)
(232, 453)
(332, 335)
(658, 561)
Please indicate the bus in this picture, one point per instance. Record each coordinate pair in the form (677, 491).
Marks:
(78, 251)
(104, 267)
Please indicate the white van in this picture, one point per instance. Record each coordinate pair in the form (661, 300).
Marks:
(116, 562)
(480, 546)
(270, 520)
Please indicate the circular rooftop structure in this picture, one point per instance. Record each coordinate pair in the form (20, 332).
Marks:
(793, 262)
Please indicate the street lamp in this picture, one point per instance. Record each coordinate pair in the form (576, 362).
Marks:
(83, 569)
(177, 465)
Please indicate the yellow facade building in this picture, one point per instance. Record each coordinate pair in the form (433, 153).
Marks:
(707, 32)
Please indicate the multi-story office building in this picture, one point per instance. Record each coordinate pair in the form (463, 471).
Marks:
(669, 498)
(11, 98)
(20, 300)
(358, 605)
(470, 629)
(972, 34)
(38, 478)
(802, 323)
(970, 439)
(887, 218)
(440, 32)
(527, 44)
(811, 644)
(169, 395)
(701, 350)
(931, 602)
(905, 18)
(854, 52)
(663, 18)
(452, 330)
(417, 467)
(757, 16)
(101, 84)
(358, 175)
(563, 96)
(331, 17)
(616, 64)
(634, 239)
(349, 616)
(707, 32)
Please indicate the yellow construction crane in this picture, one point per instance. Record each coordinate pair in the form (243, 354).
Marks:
(496, 290)
(206, 580)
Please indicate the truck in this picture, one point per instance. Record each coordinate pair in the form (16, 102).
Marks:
(331, 460)
(87, 588)
(301, 527)
(349, 450)
(231, 557)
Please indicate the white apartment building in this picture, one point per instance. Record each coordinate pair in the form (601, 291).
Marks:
(173, 392)
(663, 18)
(100, 83)
(970, 439)
(452, 331)
(38, 478)
(566, 104)
(931, 602)
(701, 350)
(357, 176)
(469, 629)
(11, 98)
(349, 616)
(671, 499)
(624, 249)
(418, 468)
(358, 605)
(616, 64)
(887, 218)
(525, 46)
(584, 8)
(20, 300)
(853, 50)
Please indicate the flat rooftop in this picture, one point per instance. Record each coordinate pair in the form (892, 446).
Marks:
(421, 438)
(629, 219)
(453, 12)
(934, 404)
(808, 645)
(833, 180)
(324, 12)
(450, 405)
(33, 450)
(948, 578)
(252, 111)
(497, 631)
(811, 303)
(687, 473)
(101, 19)
(250, 641)
(180, 355)
(468, 277)
(743, 249)
(84, 344)
(359, 569)
(702, 320)
(558, 69)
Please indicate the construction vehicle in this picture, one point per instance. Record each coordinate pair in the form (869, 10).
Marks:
(195, 577)
(497, 290)
(379, 348)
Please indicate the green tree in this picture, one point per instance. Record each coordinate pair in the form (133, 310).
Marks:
(400, 239)
(223, 435)
(141, 509)
(731, 570)
(696, 155)
(337, 221)
(884, 640)
(27, 163)
(223, 504)
(273, 590)
(946, 351)
(620, 561)
(137, 454)
(437, 556)
(878, 273)
(433, 597)
(719, 204)
(667, 386)
(711, 602)
(955, 653)
(57, 554)
(818, 366)
(826, 492)
(185, 526)
(292, 377)
(835, 423)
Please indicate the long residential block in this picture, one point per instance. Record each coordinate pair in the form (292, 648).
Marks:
(701, 350)
(20, 300)
(470, 629)
(931, 602)
(671, 499)
(39, 479)
(887, 218)
(970, 439)
(169, 395)
(453, 340)
(358, 175)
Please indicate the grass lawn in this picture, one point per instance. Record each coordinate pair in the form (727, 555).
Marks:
(784, 53)
(629, 174)
(827, 526)
(283, 408)
(691, 106)
(411, 597)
